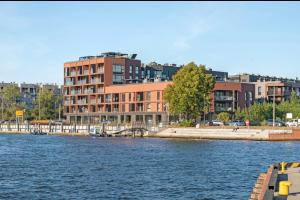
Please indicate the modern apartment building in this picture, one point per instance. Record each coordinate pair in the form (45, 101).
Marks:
(121, 103)
(264, 86)
(265, 91)
(157, 72)
(86, 79)
(228, 96)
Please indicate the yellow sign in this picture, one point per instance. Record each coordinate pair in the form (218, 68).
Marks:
(19, 113)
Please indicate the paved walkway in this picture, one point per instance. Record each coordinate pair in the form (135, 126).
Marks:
(294, 178)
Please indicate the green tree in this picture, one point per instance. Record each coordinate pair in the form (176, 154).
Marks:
(223, 116)
(11, 101)
(189, 94)
(46, 106)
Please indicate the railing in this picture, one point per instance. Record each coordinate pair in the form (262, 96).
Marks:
(97, 80)
(82, 82)
(100, 100)
(73, 73)
(66, 102)
(82, 101)
(93, 101)
(226, 109)
(278, 93)
(86, 72)
(76, 92)
(100, 71)
(88, 91)
(100, 90)
(224, 98)
(69, 83)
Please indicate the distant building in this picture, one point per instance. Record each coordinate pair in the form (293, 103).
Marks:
(264, 86)
(156, 72)
(218, 75)
(228, 96)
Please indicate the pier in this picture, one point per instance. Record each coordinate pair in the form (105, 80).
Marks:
(280, 182)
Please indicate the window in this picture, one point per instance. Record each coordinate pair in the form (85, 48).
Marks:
(118, 78)
(137, 70)
(148, 108)
(148, 96)
(123, 107)
(130, 69)
(118, 68)
(259, 90)
(158, 95)
(158, 107)
(123, 97)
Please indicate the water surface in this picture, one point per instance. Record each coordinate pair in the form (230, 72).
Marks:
(57, 167)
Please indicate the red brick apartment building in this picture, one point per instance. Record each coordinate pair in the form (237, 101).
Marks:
(103, 88)
(107, 87)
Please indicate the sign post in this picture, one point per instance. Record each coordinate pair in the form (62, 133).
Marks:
(19, 114)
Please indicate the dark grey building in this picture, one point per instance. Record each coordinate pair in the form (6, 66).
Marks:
(154, 71)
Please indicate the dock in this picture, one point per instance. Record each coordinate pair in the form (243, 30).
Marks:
(269, 185)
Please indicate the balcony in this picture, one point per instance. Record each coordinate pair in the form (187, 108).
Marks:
(80, 82)
(100, 90)
(82, 101)
(86, 72)
(223, 109)
(100, 71)
(278, 93)
(70, 83)
(93, 101)
(96, 80)
(73, 92)
(99, 100)
(223, 98)
(88, 91)
(73, 73)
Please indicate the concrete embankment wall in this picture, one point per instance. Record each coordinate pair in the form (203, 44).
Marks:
(294, 135)
(222, 134)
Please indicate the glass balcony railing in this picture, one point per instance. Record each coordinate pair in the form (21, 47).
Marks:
(73, 73)
(224, 98)
(93, 101)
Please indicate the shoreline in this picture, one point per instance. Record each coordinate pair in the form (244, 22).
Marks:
(206, 134)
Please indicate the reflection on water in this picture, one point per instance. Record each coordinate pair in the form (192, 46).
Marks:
(53, 167)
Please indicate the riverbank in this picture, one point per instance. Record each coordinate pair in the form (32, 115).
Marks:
(230, 134)
(211, 133)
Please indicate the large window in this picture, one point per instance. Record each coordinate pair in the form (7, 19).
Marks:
(118, 68)
(118, 78)
(259, 90)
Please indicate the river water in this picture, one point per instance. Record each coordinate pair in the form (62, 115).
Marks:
(57, 167)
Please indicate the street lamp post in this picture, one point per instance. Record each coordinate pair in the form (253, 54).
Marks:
(274, 106)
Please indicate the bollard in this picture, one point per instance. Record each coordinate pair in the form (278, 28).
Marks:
(284, 188)
(283, 167)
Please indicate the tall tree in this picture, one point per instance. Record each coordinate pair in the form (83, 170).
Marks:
(11, 101)
(46, 105)
(189, 94)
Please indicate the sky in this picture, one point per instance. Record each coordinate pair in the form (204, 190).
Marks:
(36, 38)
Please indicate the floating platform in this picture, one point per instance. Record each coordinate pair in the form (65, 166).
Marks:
(280, 182)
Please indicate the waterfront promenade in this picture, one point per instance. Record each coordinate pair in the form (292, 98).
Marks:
(219, 133)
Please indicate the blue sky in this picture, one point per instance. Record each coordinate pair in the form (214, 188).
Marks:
(254, 37)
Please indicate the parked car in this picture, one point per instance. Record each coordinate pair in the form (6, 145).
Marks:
(293, 123)
(237, 123)
(277, 122)
(217, 123)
